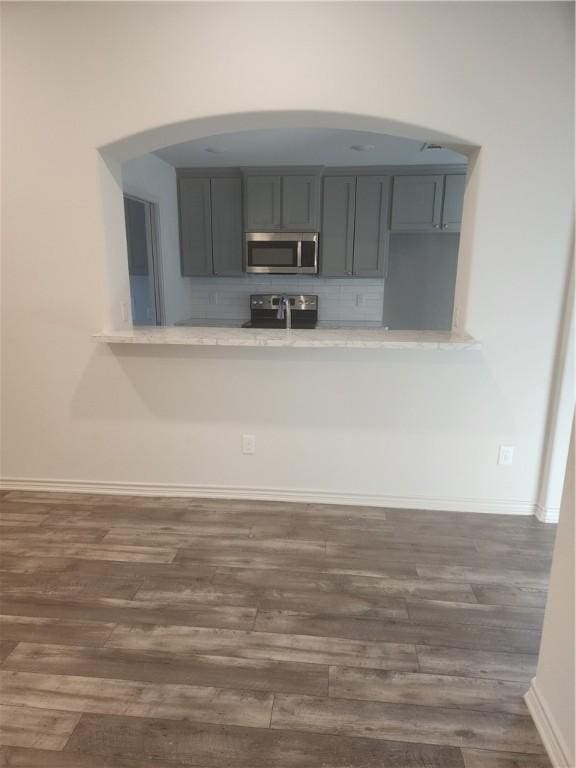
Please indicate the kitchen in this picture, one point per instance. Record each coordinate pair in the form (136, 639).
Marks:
(314, 228)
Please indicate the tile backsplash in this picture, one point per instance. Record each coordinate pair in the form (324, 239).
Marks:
(350, 302)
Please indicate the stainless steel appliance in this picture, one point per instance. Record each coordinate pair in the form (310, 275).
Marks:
(277, 310)
(281, 253)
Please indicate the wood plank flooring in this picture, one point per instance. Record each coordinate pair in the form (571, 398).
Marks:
(196, 633)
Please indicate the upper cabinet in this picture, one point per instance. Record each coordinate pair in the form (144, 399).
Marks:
(354, 234)
(337, 233)
(359, 210)
(262, 203)
(416, 203)
(427, 203)
(281, 201)
(226, 204)
(210, 212)
(371, 225)
(195, 226)
(300, 203)
(454, 186)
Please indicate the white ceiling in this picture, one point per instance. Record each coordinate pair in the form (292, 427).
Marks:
(304, 146)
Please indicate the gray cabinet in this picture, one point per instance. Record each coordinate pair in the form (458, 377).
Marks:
(427, 203)
(417, 203)
(421, 279)
(371, 225)
(454, 186)
(195, 226)
(358, 211)
(226, 204)
(276, 202)
(337, 232)
(300, 203)
(354, 233)
(210, 212)
(262, 210)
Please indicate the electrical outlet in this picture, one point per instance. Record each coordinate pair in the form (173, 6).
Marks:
(213, 298)
(506, 455)
(249, 444)
(360, 300)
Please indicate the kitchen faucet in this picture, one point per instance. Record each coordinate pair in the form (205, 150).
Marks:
(284, 308)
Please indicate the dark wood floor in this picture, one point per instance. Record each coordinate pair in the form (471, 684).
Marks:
(164, 633)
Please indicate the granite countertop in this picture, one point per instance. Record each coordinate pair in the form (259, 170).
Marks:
(192, 322)
(371, 338)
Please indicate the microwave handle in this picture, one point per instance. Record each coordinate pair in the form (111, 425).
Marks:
(299, 254)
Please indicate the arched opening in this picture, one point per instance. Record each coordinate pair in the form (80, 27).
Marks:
(400, 262)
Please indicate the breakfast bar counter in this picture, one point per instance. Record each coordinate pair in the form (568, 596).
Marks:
(365, 338)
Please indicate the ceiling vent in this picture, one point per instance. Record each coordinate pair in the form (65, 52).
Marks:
(363, 147)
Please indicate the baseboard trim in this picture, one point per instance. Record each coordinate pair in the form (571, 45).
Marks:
(310, 496)
(546, 727)
(547, 514)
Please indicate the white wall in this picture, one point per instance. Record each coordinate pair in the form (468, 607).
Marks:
(150, 178)
(562, 403)
(551, 699)
(410, 427)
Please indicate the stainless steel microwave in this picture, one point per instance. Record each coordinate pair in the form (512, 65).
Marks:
(281, 253)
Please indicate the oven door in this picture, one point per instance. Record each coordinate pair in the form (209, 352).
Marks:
(278, 253)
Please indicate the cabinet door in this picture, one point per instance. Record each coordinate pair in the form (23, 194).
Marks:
(227, 226)
(262, 203)
(337, 233)
(371, 227)
(416, 203)
(300, 203)
(453, 202)
(195, 227)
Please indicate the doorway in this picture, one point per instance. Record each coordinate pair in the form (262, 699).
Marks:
(141, 218)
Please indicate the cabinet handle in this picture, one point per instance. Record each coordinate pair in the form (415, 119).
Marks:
(436, 226)
(445, 226)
